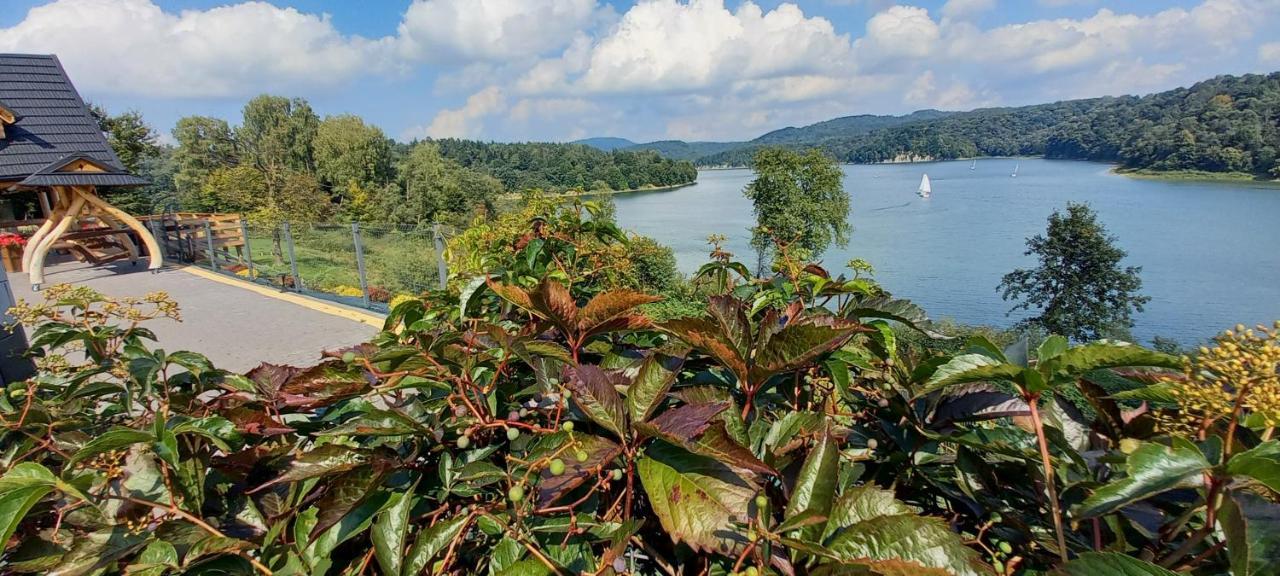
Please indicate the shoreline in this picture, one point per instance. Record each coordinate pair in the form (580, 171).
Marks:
(580, 193)
(1191, 175)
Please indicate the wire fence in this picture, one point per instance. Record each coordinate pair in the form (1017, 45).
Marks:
(360, 265)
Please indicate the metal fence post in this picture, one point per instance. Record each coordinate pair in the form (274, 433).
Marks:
(155, 226)
(293, 262)
(364, 280)
(442, 268)
(208, 240)
(248, 251)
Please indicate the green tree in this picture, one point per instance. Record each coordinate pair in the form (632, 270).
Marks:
(278, 134)
(268, 200)
(130, 137)
(205, 144)
(1079, 289)
(799, 199)
(353, 159)
(432, 187)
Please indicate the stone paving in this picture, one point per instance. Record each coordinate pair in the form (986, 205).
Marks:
(235, 327)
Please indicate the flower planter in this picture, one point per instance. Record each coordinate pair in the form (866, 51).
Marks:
(12, 257)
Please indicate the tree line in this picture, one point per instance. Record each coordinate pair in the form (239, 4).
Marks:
(284, 162)
(1225, 124)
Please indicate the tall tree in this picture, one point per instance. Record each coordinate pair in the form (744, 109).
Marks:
(130, 137)
(353, 163)
(1079, 289)
(205, 144)
(799, 199)
(291, 196)
(433, 188)
(278, 134)
(135, 143)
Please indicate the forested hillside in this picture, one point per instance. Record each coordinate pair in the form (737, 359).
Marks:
(282, 161)
(1225, 124)
(567, 166)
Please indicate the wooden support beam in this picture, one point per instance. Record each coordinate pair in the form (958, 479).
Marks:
(153, 248)
(36, 267)
(68, 206)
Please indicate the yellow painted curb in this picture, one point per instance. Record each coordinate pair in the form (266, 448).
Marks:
(311, 303)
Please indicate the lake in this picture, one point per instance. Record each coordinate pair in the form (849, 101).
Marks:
(1209, 252)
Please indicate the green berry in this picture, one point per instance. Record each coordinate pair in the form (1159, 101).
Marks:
(751, 571)
(556, 467)
(761, 501)
(567, 426)
(568, 394)
(751, 535)
(616, 474)
(999, 566)
(513, 433)
(1006, 548)
(348, 357)
(995, 517)
(516, 493)
(872, 444)
(463, 442)
(581, 456)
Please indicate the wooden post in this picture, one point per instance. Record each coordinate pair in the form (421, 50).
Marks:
(52, 217)
(37, 258)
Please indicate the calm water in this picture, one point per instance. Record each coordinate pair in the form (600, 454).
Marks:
(1208, 251)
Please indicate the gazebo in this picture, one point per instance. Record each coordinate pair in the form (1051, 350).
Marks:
(51, 144)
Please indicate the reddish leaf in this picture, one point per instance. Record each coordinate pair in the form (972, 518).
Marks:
(610, 305)
(600, 452)
(323, 384)
(347, 491)
(594, 391)
(683, 423)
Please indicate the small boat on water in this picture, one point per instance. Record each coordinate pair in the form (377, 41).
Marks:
(925, 189)
(1015, 170)
(974, 165)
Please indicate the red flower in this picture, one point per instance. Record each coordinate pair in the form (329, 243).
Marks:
(11, 239)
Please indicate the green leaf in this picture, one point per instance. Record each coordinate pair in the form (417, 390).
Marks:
(594, 392)
(351, 524)
(859, 505)
(345, 492)
(697, 499)
(114, 439)
(325, 460)
(218, 430)
(1260, 463)
(377, 422)
(154, 560)
(967, 368)
(1110, 564)
(1052, 347)
(902, 311)
(391, 532)
(1071, 363)
(1252, 527)
(1151, 469)
(652, 381)
(96, 550)
(431, 541)
(21, 488)
(927, 541)
(816, 484)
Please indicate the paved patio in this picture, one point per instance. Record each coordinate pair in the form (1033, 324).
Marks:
(232, 324)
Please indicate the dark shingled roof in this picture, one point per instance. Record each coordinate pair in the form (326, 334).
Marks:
(54, 174)
(52, 121)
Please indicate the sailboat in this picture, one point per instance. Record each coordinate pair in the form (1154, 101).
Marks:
(1015, 170)
(925, 190)
(974, 165)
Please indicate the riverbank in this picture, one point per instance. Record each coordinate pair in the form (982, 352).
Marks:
(1191, 175)
(580, 193)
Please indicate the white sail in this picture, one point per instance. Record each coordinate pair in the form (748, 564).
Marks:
(974, 165)
(925, 189)
(1015, 170)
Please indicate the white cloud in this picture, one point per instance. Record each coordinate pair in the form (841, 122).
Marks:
(464, 122)
(1269, 54)
(924, 91)
(132, 46)
(665, 45)
(547, 108)
(495, 30)
(901, 32)
(966, 8)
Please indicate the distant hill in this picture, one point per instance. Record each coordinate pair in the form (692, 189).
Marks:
(1224, 124)
(606, 143)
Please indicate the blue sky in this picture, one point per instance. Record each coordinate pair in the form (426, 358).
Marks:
(655, 69)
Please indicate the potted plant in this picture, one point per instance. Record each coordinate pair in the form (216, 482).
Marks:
(11, 246)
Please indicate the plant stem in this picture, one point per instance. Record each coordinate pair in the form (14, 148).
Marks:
(1049, 483)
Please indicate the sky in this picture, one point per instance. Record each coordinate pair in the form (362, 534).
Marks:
(514, 70)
